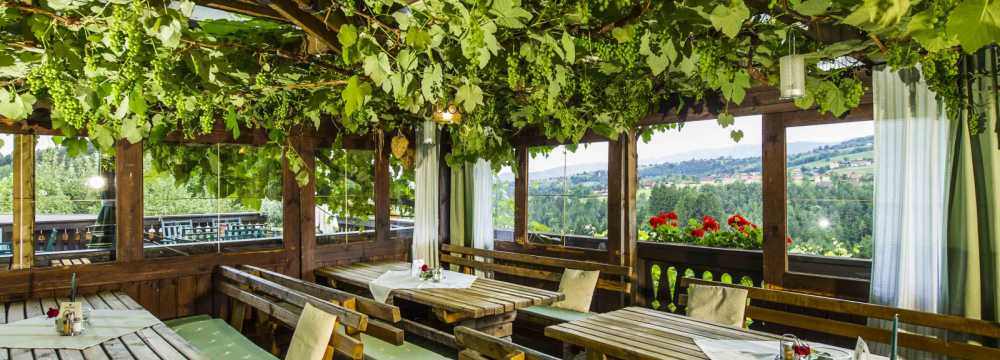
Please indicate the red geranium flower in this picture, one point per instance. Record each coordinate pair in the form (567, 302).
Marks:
(801, 350)
(656, 221)
(53, 312)
(670, 215)
(710, 224)
(698, 233)
(424, 268)
(788, 240)
(732, 220)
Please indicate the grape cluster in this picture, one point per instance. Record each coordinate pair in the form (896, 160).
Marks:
(624, 54)
(513, 73)
(48, 76)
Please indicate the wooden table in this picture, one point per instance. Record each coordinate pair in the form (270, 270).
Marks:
(640, 333)
(488, 305)
(156, 342)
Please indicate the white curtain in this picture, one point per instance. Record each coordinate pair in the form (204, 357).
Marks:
(482, 205)
(909, 268)
(425, 227)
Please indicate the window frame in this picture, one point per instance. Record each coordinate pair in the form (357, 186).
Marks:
(774, 176)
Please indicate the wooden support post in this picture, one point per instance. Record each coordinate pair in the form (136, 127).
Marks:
(291, 221)
(307, 209)
(774, 158)
(383, 191)
(521, 195)
(23, 241)
(630, 228)
(616, 172)
(128, 196)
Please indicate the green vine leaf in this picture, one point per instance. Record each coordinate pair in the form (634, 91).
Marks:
(14, 106)
(354, 95)
(470, 96)
(976, 23)
(510, 14)
(812, 7)
(729, 18)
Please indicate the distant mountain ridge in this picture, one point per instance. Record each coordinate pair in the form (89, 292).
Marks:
(728, 160)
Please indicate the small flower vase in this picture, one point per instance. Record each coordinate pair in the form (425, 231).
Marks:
(436, 276)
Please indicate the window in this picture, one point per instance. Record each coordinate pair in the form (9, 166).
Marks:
(205, 199)
(699, 171)
(6, 199)
(74, 202)
(830, 185)
(402, 199)
(345, 196)
(568, 195)
(503, 204)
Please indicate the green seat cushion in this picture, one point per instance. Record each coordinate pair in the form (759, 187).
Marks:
(217, 340)
(555, 314)
(376, 349)
(174, 323)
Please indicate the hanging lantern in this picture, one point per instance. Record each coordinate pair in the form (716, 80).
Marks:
(793, 76)
(447, 115)
(793, 72)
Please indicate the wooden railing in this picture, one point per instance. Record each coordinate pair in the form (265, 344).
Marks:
(659, 265)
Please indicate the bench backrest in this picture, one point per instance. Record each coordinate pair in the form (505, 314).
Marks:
(285, 305)
(479, 345)
(757, 311)
(613, 277)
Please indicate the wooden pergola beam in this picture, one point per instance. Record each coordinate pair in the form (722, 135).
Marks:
(324, 31)
(243, 8)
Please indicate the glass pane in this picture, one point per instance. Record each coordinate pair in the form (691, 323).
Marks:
(345, 196)
(567, 195)
(6, 198)
(250, 211)
(831, 189)
(402, 200)
(696, 171)
(180, 199)
(74, 203)
(503, 204)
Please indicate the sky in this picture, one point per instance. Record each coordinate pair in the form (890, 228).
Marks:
(703, 135)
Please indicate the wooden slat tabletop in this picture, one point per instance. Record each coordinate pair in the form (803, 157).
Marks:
(484, 298)
(650, 334)
(156, 342)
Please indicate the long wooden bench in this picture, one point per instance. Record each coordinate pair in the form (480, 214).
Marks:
(759, 311)
(477, 345)
(549, 270)
(381, 339)
(284, 305)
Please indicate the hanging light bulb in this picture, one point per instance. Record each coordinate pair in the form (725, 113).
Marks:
(793, 72)
(447, 115)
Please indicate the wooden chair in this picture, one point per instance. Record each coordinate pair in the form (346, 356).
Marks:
(548, 269)
(476, 345)
(765, 302)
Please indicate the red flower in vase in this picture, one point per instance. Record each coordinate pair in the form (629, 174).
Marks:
(801, 350)
(698, 233)
(53, 312)
(425, 267)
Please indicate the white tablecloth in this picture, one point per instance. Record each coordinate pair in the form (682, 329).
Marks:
(752, 350)
(382, 286)
(103, 325)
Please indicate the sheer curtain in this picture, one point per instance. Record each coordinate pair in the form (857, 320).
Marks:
(912, 155)
(472, 205)
(425, 227)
